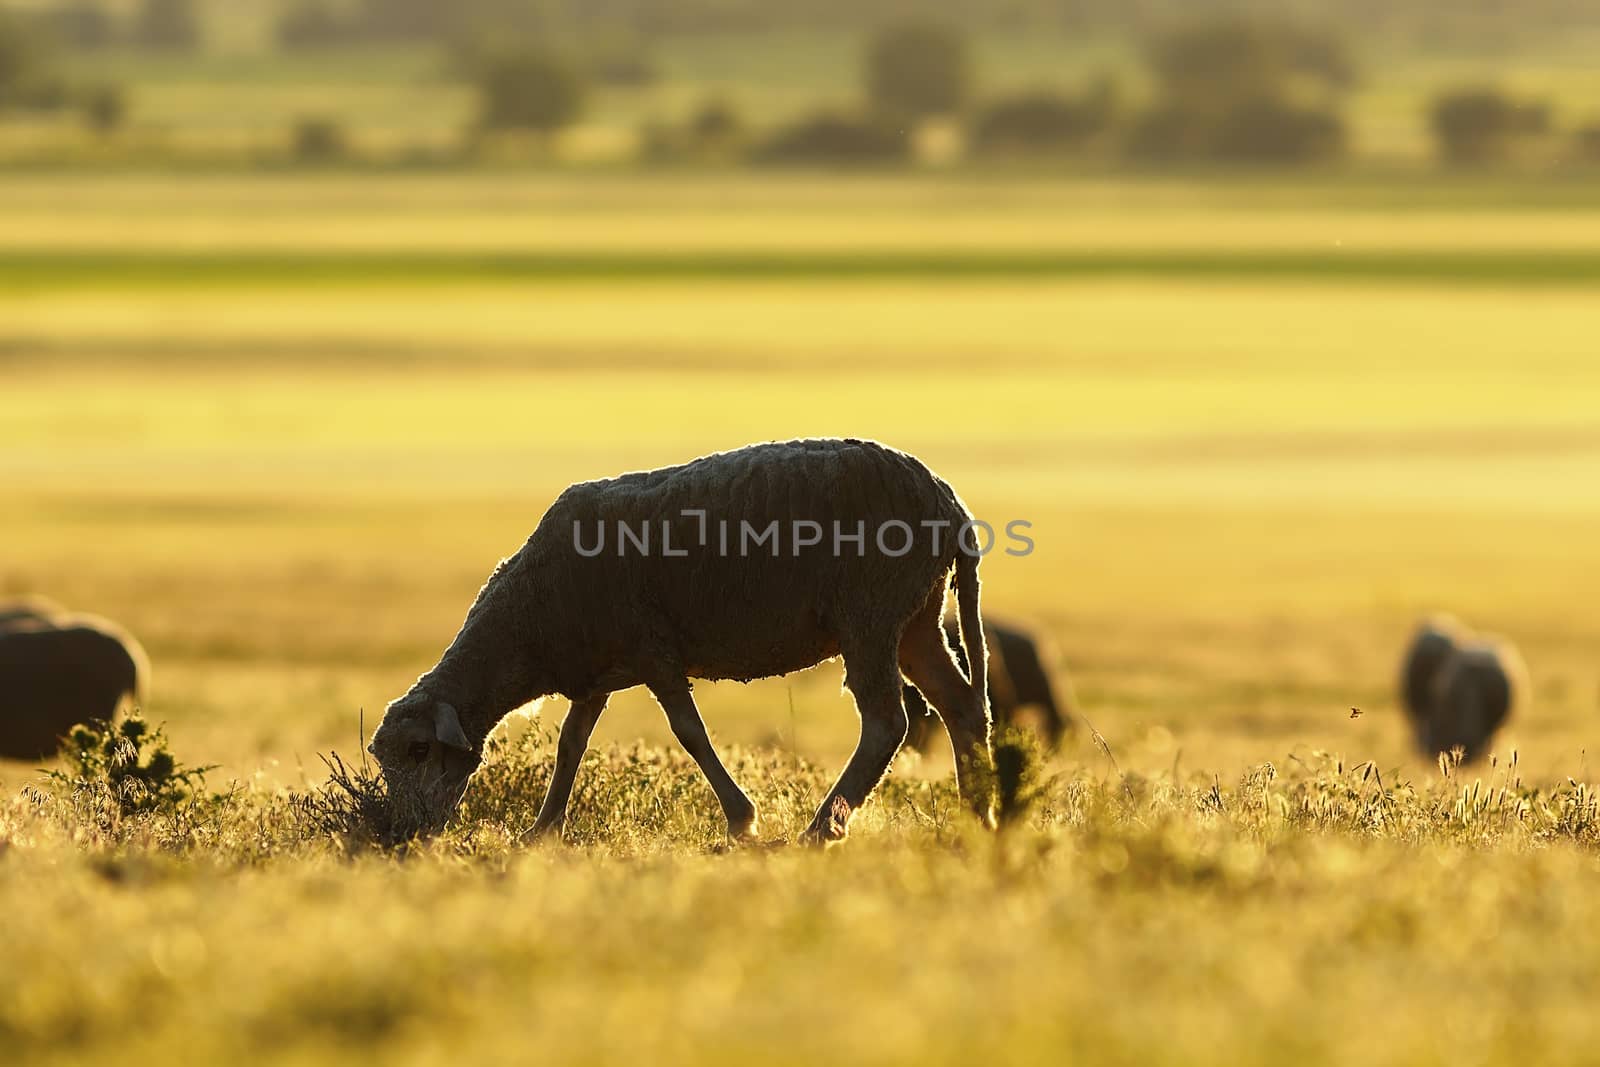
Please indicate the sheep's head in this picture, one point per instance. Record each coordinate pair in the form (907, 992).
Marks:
(426, 760)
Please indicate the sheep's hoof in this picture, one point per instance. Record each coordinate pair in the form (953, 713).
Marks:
(747, 844)
(743, 829)
(984, 810)
(831, 825)
(541, 835)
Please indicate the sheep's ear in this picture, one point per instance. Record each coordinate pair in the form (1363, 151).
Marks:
(447, 728)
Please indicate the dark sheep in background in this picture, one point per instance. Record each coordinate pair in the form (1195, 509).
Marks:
(1019, 687)
(1458, 689)
(553, 619)
(1478, 687)
(58, 672)
(1432, 643)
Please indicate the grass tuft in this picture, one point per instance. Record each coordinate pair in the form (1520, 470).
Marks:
(125, 769)
(352, 806)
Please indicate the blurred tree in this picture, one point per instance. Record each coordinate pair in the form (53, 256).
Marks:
(407, 18)
(831, 137)
(658, 142)
(28, 79)
(483, 25)
(604, 54)
(20, 58)
(1476, 126)
(716, 123)
(80, 24)
(319, 139)
(105, 107)
(1216, 64)
(168, 24)
(1249, 90)
(616, 57)
(917, 70)
(714, 132)
(1586, 142)
(1265, 130)
(314, 24)
(465, 23)
(1453, 21)
(1042, 121)
(528, 88)
(1165, 133)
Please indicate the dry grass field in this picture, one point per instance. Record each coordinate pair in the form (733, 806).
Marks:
(283, 428)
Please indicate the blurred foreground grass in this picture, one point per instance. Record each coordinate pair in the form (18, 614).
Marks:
(1313, 910)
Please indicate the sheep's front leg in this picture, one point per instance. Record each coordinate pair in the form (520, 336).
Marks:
(575, 733)
(690, 730)
(874, 680)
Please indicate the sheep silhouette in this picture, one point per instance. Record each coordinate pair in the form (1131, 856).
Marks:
(555, 619)
(58, 670)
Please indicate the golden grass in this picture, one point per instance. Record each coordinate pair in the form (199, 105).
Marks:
(989, 226)
(1132, 920)
(734, 212)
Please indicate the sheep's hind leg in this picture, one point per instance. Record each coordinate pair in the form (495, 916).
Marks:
(690, 729)
(874, 681)
(575, 732)
(923, 723)
(926, 659)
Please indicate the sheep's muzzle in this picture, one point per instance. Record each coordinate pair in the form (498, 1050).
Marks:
(422, 799)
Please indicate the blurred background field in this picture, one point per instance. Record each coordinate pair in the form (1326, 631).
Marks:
(305, 318)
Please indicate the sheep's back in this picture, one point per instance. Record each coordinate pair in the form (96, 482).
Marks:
(743, 612)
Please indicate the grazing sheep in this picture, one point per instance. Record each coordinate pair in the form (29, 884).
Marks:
(1457, 689)
(61, 671)
(1019, 686)
(1476, 689)
(712, 601)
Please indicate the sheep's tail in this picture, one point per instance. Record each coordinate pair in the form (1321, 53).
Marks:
(972, 631)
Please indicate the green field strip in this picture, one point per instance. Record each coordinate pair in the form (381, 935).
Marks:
(42, 269)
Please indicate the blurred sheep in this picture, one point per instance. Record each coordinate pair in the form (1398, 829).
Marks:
(1020, 688)
(58, 670)
(1478, 687)
(1459, 689)
(1435, 638)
